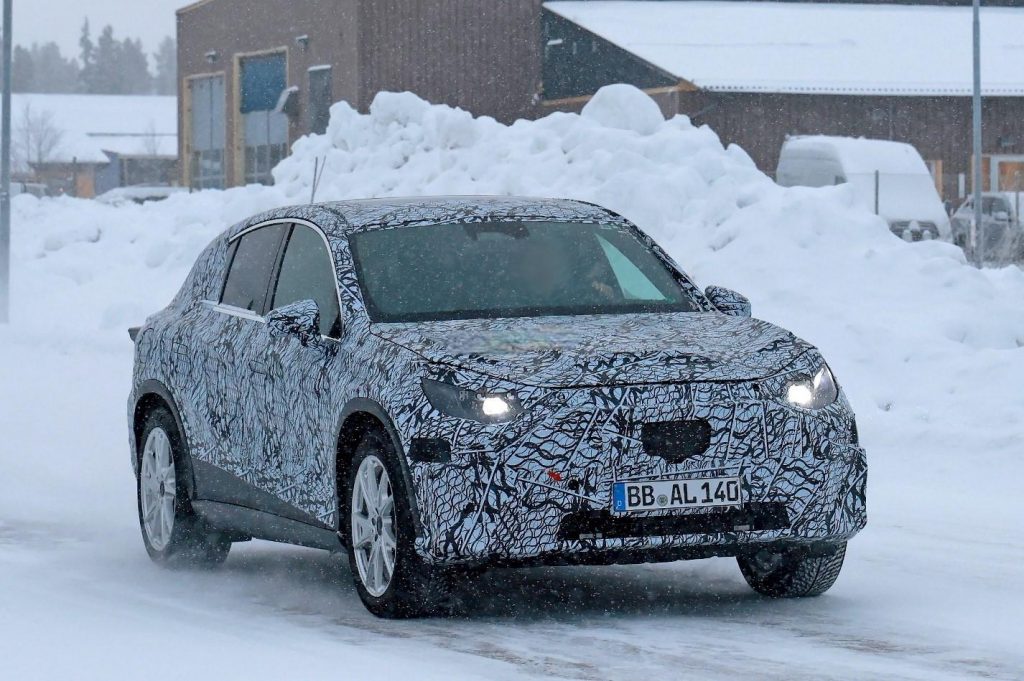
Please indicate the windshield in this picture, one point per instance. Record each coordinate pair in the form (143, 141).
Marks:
(993, 204)
(511, 269)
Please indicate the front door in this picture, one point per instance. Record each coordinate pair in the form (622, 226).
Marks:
(297, 410)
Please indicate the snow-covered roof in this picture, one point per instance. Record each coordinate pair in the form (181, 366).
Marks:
(814, 48)
(86, 126)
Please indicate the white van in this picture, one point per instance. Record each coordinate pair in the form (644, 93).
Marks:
(906, 196)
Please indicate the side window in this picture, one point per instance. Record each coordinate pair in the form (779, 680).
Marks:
(249, 274)
(307, 274)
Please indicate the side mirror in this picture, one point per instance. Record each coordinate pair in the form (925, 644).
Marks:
(728, 301)
(1001, 216)
(300, 319)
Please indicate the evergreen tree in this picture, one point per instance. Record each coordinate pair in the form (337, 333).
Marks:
(22, 70)
(106, 78)
(133, 69)
(42, 68)
(53, 72)
(166, 61)
(87, 57)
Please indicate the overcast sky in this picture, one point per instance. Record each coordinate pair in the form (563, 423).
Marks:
(60, 20)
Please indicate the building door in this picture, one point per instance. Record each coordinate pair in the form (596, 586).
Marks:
(206, 165)
(264, 128)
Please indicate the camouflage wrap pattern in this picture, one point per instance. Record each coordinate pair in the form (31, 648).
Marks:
(266, 408)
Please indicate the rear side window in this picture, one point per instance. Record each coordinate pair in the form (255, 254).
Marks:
(307, 274)
(248, 279)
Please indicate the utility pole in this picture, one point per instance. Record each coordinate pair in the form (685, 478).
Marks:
(5, 171)
(979, 231)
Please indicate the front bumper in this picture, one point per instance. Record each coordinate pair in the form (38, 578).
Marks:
(539, 489)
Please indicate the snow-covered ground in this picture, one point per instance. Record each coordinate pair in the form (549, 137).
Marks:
(928, 348)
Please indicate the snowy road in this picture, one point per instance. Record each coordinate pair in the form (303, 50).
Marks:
(930, 590)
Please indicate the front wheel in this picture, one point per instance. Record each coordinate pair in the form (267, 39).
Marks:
(172, 533)
(792, 573)
(391, 578)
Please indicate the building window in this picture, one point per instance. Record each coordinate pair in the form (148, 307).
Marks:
(321, 96)
(265, 128)
(206, 164)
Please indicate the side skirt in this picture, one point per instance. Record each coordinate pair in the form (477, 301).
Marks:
(261, 525)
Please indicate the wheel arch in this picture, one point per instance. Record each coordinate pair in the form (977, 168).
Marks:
(359, 417)
(153, 394)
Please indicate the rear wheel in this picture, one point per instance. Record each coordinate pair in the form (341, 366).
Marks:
(792, 573)
(172, 533)
(393, 581)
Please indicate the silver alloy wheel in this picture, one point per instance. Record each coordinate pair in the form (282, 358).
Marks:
(374, 538)
(157, 489)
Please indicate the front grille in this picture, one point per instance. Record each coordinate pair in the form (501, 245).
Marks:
(676, 441)
(603, 525)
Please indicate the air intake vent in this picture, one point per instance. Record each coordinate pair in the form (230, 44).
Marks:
(676, 441)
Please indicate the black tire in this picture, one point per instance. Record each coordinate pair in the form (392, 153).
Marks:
(793, 573)
(416, 589)
(191, 543)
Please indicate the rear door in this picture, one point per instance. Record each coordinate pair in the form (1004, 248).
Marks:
(237, 324)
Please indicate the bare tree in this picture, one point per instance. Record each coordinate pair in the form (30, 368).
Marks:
(36, 138)
(151, 141)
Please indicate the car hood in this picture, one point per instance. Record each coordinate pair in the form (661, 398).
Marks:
(597, 350)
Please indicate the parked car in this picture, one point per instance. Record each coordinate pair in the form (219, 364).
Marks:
(436, 385)
(139, 194)
(1000, 224)
(889, 178)
(36, 189)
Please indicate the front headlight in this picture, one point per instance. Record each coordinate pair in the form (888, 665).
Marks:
(470, 404)
(815, 392)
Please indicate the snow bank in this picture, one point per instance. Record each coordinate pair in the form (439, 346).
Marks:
(928, 348)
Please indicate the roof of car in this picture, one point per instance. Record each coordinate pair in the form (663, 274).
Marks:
(362, 214)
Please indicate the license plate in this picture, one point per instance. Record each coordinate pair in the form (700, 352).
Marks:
(658, 495)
